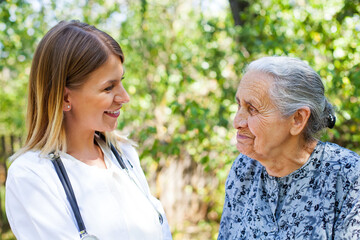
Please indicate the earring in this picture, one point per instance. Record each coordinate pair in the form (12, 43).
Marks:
(68, 106)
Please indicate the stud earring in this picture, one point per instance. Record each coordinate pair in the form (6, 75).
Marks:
(68, 106)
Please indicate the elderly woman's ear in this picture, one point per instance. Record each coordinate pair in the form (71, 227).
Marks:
(299, 120)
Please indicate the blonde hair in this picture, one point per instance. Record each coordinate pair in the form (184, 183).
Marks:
(65, 57)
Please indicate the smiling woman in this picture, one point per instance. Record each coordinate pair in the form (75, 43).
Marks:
(103, 92)
(76, 178)
(286, 184)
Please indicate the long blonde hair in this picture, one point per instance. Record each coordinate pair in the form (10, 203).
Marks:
(66, 55)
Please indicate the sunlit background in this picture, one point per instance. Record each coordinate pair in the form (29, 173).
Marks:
(183, 61)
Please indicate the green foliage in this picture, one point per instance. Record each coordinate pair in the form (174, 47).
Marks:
(182, 69)
(17, 41)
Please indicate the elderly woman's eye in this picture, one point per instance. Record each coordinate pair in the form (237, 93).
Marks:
(252, 109)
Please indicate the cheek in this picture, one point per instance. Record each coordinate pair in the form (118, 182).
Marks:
(99, 103)
(257, 125)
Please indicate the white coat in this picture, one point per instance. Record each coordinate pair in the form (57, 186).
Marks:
(111, 204)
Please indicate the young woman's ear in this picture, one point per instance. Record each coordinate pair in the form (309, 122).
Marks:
(66, 100)
(299, 120)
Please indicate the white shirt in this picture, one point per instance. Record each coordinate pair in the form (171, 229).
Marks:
(112, 204)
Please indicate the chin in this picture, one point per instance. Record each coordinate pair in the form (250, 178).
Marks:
(111, 127)
(247, 151)
(243, 148)
(108, 128)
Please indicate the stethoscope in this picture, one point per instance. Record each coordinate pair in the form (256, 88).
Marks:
(65, 181)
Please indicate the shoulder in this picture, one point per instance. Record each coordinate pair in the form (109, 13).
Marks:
(28, 162)
(131, 156)
(336, 151)
(30, 170)
(128, 149)
(346, 158)
(343, 160)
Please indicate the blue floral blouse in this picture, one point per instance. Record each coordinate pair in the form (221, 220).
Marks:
(321, 200)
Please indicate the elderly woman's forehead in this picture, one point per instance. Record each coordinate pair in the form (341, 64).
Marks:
(256, 77)
(254, 85)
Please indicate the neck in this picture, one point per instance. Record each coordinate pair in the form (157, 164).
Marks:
(292, 158)
(81, 145)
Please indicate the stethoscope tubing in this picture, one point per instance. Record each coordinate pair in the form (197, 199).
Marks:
(65, 181)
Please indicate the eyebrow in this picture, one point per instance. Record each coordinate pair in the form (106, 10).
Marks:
(247, 102)
(113, 81)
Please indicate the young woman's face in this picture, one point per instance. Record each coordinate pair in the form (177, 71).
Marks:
(96, 105)
(262, 132)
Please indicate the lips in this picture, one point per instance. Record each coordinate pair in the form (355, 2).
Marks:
(243, 136)
(113, 114)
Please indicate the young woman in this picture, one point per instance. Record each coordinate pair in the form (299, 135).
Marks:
(75, 178)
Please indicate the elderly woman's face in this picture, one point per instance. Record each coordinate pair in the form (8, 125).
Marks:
(262, 131)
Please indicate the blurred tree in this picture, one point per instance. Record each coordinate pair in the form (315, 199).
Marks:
(238, 7)
(349, 9)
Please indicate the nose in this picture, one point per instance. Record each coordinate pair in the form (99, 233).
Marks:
(241, 119)
(121, 95)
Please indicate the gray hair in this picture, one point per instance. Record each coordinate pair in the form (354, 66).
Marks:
(297, 85)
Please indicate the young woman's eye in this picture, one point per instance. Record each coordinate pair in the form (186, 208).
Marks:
(109, 88)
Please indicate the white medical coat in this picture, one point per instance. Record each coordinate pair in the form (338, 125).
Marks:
(112, 206)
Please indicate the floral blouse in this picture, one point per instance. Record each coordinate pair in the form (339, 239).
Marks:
(321, 200)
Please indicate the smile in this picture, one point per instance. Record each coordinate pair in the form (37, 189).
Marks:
(114, 114)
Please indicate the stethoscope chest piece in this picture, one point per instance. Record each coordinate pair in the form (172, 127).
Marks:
(89, 237)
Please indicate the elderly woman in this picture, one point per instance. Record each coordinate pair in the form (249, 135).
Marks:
(286, 184)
